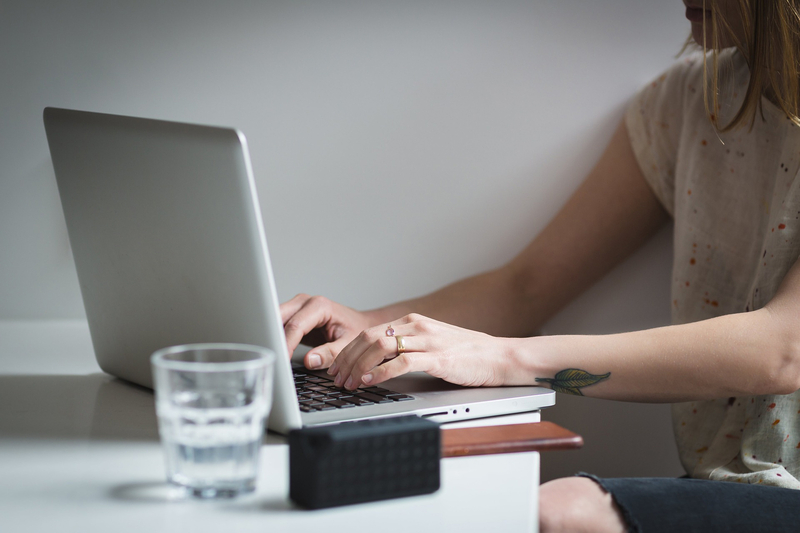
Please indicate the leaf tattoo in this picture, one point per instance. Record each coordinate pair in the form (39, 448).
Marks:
(572, 380)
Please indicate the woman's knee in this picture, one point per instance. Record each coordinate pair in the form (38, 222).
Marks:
(577, 504)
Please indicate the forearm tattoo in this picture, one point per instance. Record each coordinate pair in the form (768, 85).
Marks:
(572, 380)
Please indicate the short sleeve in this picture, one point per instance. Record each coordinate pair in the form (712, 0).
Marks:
(654, 120)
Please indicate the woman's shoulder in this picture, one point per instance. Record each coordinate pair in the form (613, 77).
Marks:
(680, 88)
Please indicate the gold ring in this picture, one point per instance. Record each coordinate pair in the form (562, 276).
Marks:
(390, 331)
(401, 345)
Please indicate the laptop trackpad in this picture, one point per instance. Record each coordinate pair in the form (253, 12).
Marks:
(417, 382)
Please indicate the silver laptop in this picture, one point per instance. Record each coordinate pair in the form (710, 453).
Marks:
(166, 231)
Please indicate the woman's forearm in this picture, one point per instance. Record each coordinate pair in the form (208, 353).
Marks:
(734, 355)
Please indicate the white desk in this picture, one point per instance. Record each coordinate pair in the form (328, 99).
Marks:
(79, 451)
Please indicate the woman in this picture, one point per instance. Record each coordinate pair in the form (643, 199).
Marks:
(714, 145)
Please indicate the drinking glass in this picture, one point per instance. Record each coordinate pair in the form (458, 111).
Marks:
(212, 401)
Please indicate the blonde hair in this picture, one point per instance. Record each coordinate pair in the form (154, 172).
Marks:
(771, 48)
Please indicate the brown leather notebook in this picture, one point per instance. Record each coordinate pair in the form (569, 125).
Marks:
(539, 436)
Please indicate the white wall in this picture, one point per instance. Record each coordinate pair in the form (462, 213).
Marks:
(397, 145)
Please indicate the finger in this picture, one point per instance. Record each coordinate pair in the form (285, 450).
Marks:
(324, 355)
(344, 362)
(354, 350)
(288, 309)
(340, 368)
(402, 364)
(383, 350)
(312, 315)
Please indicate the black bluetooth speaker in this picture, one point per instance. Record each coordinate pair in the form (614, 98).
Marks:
(356, 462)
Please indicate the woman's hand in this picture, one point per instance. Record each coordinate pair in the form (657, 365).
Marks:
(457, 355)
(325, 325)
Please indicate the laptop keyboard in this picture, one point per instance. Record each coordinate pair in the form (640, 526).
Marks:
(316, 393)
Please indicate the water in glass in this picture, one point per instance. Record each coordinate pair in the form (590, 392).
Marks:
(212, 451)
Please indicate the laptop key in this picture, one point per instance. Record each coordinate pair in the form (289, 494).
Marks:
(379, 390)
(373, 397)
(355, 400)
(399, 397)
(324, 407)
(339, 404)
(309, 402)
(307, 409)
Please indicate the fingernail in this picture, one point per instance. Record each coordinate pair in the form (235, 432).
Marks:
(314, 360)
(349, 383)
(366, 378)
(338, 380)
(332, 370)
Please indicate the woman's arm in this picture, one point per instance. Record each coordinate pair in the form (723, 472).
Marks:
(742, 354)
(733, 355)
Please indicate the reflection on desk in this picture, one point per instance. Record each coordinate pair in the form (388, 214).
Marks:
(97, 407)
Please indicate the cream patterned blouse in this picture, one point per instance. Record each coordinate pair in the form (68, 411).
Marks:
(735, 200)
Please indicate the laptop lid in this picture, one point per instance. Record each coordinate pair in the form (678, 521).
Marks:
(165, 228)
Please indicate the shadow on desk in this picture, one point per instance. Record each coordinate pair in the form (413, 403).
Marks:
(162, 492)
